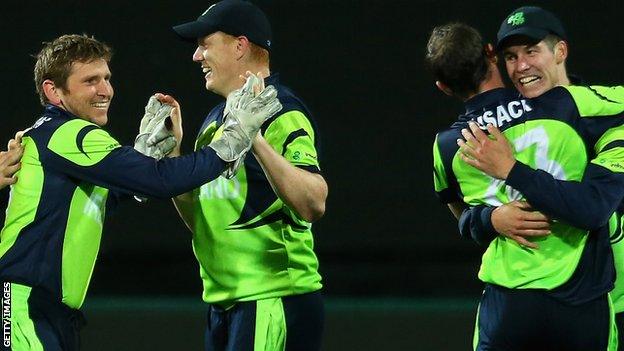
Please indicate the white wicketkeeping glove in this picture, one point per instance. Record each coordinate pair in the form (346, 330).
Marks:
(232, 168)
(154, 138)
(244, 115)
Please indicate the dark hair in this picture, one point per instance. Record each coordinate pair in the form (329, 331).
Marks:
(456, 56)
(54, 61)
(551, 40)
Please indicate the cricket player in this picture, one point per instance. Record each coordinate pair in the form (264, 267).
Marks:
(519, 40)
(252, 232)
(73, 172)
(533, 288)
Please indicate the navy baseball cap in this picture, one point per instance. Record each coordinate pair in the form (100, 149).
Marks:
(233, 17)
(530, 21)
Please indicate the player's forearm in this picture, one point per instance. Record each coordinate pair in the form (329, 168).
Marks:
(184, 205)
(302, 191)
(587, 204)
(475, 223)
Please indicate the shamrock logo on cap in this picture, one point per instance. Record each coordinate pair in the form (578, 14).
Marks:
(516, 19)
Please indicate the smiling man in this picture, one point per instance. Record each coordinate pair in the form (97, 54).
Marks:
(546, 287)
(72, 172)
(252, 233)
(534, 47)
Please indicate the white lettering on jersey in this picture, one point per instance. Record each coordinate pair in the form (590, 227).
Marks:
(220, 188)
(41, 121)
(539, 140)
(93, 207)
(504, 114)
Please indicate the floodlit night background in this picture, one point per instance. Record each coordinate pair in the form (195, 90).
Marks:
(396, 274)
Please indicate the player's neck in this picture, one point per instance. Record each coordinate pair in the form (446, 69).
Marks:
(262, 70)
(492, 81)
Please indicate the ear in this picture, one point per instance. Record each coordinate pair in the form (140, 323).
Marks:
(444, 88)
(242, 46)
(491, 53)
(51, 92)
(561, 51)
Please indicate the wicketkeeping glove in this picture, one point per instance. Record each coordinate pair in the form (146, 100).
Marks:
(245, 115)
(232, 168)
(155, 139)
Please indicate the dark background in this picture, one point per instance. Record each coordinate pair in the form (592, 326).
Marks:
(359, 67)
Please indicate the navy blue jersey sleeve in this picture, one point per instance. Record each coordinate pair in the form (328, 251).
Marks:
(128, 171)
(586, 205)
(475, 223)
(97, 158)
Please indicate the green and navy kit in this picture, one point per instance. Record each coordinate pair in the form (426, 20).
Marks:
(249, 244)
(601, 186)
(72, 173)
(617, 245)
(556, 137)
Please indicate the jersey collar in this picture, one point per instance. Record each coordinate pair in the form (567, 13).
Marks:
(54, 111)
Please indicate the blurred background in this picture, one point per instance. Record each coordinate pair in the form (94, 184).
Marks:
(396, 274)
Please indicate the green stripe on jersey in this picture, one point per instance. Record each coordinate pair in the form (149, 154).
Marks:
(21, 209)
(82, 241)
(617, 245)
(612, 159)
(270, 333)
(597, 101)
(439, 173)
(96, 145)
(611, 135)
(23, 335)
(292, 136)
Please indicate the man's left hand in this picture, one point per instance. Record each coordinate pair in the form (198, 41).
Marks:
(491, 154)
(155, 138)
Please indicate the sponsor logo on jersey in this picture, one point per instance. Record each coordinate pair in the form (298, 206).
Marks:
(113, 146)
(617, 165)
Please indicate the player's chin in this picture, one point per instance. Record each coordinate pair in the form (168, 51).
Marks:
(209, 84)
(532, 91)
(100, 119)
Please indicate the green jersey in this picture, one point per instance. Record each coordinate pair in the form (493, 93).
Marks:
(72, 171)
(249, 244)
(559, 132)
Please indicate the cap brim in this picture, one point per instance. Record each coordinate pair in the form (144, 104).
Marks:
(534, 33)
(191, 31)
